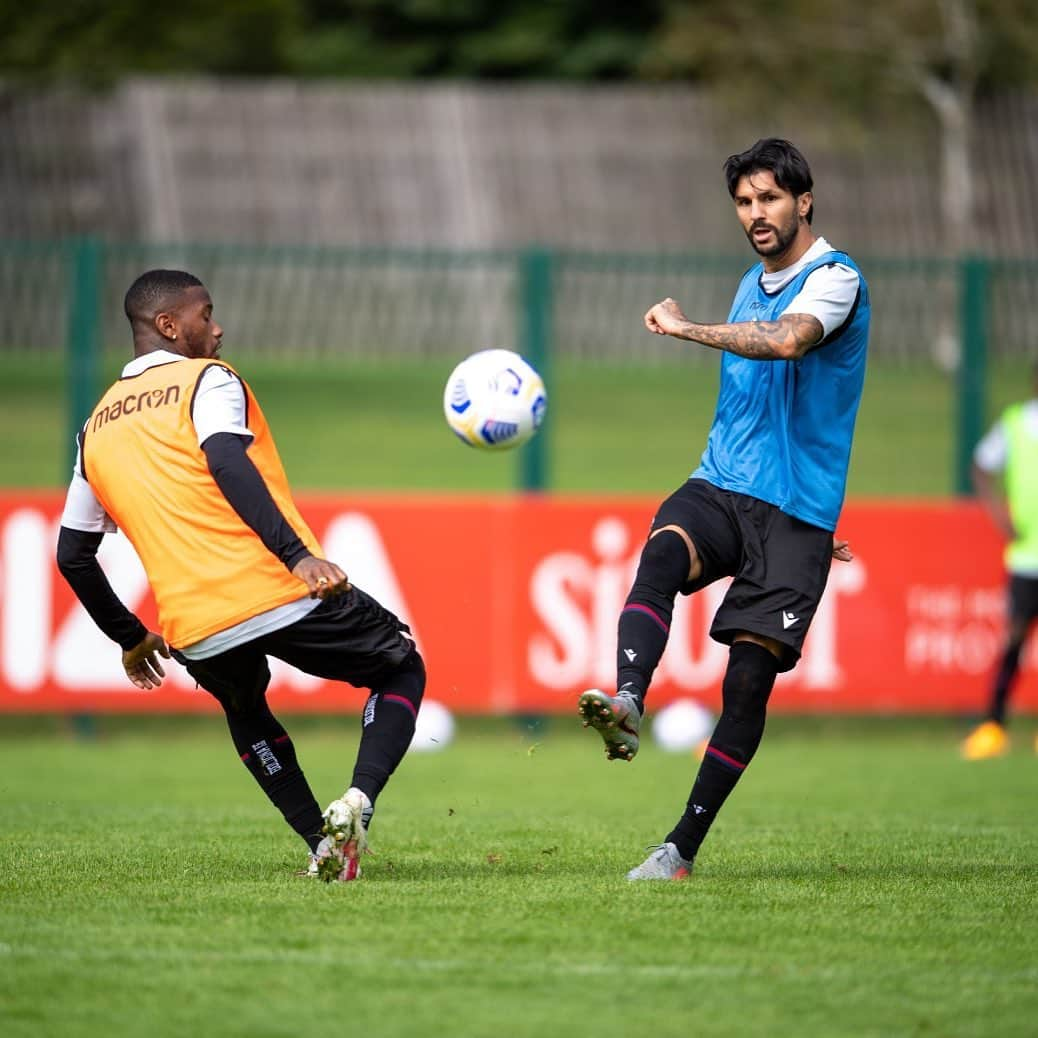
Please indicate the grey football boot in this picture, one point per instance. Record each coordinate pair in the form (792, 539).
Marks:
(663, 863)
(616, 718)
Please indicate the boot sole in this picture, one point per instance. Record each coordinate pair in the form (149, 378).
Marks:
(596, 711)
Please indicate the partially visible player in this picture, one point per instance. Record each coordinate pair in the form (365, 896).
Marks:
(177, 454)
(763, 503)
(1010, 450)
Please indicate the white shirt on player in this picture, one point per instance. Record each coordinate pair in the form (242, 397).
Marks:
(992, 453)
(828, 293)
(219, 406)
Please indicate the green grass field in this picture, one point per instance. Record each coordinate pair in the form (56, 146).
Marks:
(626, 430)
(861, 881)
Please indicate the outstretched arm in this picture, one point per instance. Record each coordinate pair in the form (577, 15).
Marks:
(788, 338)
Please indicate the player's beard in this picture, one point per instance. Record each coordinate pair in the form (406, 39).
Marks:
(783, 237)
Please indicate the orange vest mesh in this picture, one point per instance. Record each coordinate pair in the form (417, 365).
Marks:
(207, 569)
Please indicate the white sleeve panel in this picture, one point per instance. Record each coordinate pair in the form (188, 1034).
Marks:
(82, 509)
(828, 293)
(219, 405)
(992, 453)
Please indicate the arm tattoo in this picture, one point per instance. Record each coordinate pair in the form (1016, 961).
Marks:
(788, 338)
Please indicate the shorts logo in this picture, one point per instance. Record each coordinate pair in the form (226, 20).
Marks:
(631, 654)
(788, 619)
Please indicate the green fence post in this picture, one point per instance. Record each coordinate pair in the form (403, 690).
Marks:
(83, 341)
(974, 285)
(536, 303)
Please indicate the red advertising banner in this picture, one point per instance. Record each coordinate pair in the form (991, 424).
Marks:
(514, 602)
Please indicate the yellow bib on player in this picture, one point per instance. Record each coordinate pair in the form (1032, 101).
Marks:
(207, 568)
(1021, 477)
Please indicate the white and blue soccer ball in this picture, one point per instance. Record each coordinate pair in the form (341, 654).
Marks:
(494, 399)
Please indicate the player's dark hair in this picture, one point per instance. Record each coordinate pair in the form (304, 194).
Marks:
(153, 291)
(778, 157)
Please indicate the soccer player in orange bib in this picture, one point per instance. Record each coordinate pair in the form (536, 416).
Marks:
(177, 455)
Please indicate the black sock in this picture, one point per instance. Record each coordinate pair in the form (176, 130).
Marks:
(388, 725)
(1004, 683)
(747, 685)
(644, 623)
(267, 751)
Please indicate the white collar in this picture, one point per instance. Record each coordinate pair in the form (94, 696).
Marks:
(777, 278)
(150, 360)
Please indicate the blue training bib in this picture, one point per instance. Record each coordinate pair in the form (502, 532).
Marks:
(782, 430)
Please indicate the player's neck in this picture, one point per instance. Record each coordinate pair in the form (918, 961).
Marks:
(797, 247)
(142, 347)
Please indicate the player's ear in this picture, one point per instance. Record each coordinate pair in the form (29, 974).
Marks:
(804, 204)
(166, 324)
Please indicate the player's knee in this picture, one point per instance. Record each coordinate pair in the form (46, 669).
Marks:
(748, 682)
(407, 679)
(664, 564)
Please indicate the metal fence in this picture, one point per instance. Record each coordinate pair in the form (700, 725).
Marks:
(395, 305)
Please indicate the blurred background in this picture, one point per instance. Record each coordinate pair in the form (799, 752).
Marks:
(374, 188)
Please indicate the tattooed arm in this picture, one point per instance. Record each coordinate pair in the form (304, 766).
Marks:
(788, 338)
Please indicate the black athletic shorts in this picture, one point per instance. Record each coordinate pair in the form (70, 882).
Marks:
(779, 564)
(1023, 598)
(348, 637)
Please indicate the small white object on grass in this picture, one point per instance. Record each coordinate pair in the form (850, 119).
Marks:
(682, 725)
(434, 728)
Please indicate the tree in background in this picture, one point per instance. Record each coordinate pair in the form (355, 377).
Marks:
(857, 60)
(486, 39)
(100, 41)
(97, 42)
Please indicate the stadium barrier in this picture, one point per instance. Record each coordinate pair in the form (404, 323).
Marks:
(514, 601)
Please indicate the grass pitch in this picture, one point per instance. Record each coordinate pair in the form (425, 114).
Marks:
(861, 881)
(631, 429)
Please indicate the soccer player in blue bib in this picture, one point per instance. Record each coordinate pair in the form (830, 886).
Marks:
(762, 506)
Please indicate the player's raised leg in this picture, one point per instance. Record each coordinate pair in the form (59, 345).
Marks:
(642, 632)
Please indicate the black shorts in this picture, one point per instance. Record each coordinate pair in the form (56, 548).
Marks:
(348, 638)
(780, 564)
(1023, 599)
